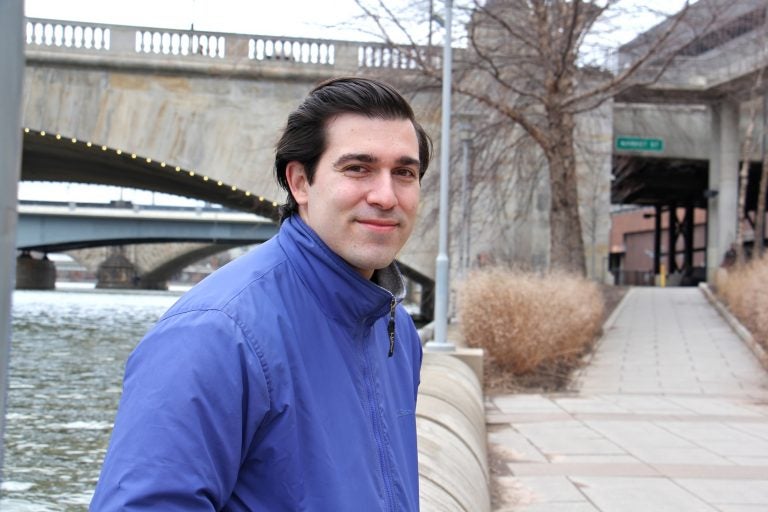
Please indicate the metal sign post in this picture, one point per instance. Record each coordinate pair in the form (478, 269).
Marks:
(12, 66)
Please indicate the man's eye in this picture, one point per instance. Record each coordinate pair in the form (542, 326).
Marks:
(354, 168)
(406, 173)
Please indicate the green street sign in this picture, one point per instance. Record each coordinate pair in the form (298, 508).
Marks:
(639, 144)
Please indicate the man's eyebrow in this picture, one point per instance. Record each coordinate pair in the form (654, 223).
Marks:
(355, 157)
(370, 159)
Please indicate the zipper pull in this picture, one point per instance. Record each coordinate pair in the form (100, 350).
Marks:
(391, 327)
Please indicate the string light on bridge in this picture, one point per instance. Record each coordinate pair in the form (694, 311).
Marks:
(148, 160)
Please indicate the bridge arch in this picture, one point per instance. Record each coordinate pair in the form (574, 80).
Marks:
(56, 157)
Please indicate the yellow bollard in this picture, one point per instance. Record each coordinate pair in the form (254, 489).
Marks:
(662, 276)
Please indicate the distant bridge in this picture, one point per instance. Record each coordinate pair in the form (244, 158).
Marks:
(57, 227)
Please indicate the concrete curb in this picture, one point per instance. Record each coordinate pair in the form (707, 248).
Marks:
(737, 327)
(450, 423)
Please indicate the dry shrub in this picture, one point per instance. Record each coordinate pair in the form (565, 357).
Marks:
(530, 322)
(745, 290)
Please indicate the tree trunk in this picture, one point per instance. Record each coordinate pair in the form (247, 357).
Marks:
(746, 153)
(566, 242)
(760, 209)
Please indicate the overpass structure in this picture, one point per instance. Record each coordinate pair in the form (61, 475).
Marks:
(679, 141)
(59, 227)
(47, 227)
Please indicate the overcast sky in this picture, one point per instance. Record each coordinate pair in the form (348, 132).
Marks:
(298, 18)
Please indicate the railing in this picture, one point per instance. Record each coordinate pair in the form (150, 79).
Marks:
(63, 36)
(66, 35)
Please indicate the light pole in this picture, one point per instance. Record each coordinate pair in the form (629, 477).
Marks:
(440, 341)
(12, 64)
(465, 134)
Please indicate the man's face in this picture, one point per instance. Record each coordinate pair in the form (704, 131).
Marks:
(365, 192)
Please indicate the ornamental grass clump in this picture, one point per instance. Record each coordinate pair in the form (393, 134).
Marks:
(744, 288)
(530, 323)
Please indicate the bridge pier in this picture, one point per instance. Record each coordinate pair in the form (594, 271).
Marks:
(117, 271)
(147, 283)
(35, 274)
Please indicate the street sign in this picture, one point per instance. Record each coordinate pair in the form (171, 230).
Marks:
(639, 144)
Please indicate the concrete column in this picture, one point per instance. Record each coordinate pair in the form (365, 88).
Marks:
(723, 178)
(11, 79)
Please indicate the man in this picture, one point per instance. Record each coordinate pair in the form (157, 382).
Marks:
(287, 380)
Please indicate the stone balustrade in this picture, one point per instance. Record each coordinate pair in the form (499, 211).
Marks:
(116, 41)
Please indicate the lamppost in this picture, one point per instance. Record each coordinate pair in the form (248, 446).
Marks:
(440, 341)
(465, 134)
(12, 64)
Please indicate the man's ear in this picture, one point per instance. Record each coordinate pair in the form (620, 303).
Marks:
(297, 181)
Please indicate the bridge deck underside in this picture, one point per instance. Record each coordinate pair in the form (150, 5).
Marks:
(659, 181)
(650, 181)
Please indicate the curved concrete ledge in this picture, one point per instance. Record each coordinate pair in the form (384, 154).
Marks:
(450, 421)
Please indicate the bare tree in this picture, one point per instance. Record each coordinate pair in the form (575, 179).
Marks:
(525, 65)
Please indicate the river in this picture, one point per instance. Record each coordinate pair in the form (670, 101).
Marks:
(68, 353)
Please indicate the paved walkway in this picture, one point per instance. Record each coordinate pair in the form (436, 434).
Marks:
(671, 414)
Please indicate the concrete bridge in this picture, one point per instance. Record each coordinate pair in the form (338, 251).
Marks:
(182, 112)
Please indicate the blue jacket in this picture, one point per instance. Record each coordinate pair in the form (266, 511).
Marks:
(269, 386)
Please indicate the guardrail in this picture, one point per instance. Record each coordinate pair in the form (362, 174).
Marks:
(120, 40)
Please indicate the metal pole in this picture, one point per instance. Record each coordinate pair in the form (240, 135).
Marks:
(12, 66)
(440, 341)
(464, 131)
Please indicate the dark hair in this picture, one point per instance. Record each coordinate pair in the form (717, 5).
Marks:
(304, 137)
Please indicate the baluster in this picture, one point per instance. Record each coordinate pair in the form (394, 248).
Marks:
(185, 44)
(48, 33)
(69, 35)
(88, 37)
(175, 44)
(98, 38)
(58, 35)
(78, 37)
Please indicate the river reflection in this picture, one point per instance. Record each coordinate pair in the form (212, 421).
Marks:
(68, 353)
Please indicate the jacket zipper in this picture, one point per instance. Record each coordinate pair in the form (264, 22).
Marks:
(376, 425)
(391, 327)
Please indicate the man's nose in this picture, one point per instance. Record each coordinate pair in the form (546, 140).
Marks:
(382, 192)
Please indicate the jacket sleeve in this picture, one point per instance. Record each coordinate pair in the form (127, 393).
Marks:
(193, 395)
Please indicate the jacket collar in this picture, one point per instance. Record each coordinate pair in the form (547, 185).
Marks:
(341, 292)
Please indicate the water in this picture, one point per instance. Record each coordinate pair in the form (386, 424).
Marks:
(68, 353)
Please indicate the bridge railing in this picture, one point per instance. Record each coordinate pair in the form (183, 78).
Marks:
(152, 43)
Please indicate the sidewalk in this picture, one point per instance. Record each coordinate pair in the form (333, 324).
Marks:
(671, 414)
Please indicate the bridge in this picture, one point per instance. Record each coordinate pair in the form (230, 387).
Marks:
(182, 112)
(183, 236)
(59, 227)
